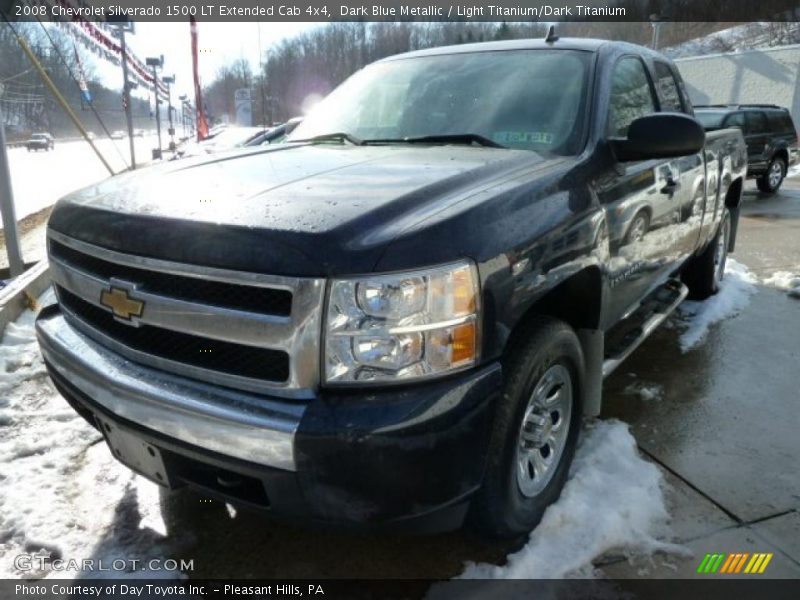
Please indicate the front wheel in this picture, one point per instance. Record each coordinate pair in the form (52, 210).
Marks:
(638, 227)
(535, 431)
(770, 181)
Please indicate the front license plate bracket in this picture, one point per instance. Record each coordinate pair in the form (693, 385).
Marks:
(134, 452)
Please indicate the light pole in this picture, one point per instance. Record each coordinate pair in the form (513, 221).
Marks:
(121, 27)
(169, 81)
(183, 99)
(156, 63)
(656, 22)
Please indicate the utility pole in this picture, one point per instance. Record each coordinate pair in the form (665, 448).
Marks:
(169, 81)
(122, 27)
(16, 266)
(156, 63)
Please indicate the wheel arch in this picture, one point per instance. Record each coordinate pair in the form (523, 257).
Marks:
(782, 153)
(733, 202)
(578, 301)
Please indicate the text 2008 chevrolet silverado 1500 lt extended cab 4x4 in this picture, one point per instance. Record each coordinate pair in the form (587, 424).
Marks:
(399, 316)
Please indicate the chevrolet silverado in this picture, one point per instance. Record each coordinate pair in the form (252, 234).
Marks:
(400, 315)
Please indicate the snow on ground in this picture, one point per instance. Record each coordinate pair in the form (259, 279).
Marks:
(785, 280)
(747, 36)
(39, 179)
(734, 294)
(62, 492)
(613, 500)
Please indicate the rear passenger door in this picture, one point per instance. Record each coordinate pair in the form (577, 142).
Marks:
(756, 135)
(641, 199)
(688, 171)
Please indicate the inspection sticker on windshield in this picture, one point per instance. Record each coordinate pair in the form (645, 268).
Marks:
(523, 137)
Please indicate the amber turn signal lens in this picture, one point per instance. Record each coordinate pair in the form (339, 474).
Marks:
(464, 339)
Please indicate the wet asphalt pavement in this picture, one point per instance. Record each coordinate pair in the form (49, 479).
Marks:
(726, 433)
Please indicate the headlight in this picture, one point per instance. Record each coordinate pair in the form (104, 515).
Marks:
(402, 326)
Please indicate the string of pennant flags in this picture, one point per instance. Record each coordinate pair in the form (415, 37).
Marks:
(101, 44)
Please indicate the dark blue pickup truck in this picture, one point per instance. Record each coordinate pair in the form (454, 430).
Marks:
(399, 316)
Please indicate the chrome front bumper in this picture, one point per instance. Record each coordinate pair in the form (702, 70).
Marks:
(237, 424)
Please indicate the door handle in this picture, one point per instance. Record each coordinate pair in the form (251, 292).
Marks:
(671, 186)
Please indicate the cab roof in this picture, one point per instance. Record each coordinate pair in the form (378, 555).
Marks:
(582, 44)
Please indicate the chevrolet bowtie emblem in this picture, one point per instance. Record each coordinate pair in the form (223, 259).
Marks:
(121, 303)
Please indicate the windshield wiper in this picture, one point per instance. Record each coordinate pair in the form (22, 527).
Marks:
(449, 138)
(333, 137)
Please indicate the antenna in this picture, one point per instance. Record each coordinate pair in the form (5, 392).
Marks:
(551, 35)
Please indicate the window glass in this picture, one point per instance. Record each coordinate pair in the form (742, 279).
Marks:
(756, 122)
(525, 99)
(779, 121)
(735, 120)
(667, 89)
(631, 96)
(710, 119)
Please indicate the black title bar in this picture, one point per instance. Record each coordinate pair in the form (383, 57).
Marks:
(404, 10)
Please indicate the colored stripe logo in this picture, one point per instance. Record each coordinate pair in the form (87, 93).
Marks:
(735, 563)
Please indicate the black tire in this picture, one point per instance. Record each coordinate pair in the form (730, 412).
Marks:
(770, 182)
(638, 228)
(500, 509)
(704, 273)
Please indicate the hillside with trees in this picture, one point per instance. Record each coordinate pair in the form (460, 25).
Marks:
(312, 64)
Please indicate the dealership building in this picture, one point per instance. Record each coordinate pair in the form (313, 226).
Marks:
(766, 76)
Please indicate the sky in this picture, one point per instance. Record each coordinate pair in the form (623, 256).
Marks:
(219, 43)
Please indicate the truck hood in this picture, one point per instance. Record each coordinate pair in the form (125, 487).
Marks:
(304, 210)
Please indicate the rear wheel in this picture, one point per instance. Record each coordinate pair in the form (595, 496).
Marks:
(703, 275)
(535, 431)
(770, 181)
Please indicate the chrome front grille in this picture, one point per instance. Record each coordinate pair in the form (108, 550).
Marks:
(249, 331)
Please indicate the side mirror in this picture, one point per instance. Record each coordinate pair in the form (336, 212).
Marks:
(660, 135)
(292, 124)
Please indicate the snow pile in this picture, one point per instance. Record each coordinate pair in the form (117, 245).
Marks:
(645, 391)
(748, 36)
(784, 280)
(734, 294)
(613, 500)
(62, 493)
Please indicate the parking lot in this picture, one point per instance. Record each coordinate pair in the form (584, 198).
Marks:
(718, 419)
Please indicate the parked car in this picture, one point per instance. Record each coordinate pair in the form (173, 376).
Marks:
(118, 135)
(40, 141)
(274, 135)
(770, 135)
(398, 316)
(219, 140)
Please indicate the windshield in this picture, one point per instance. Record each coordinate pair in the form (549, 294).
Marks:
(710, 119)
(524, 99)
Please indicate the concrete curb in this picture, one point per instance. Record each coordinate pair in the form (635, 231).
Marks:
(21, 293)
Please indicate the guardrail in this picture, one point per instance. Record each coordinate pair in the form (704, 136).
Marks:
(20, 293)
